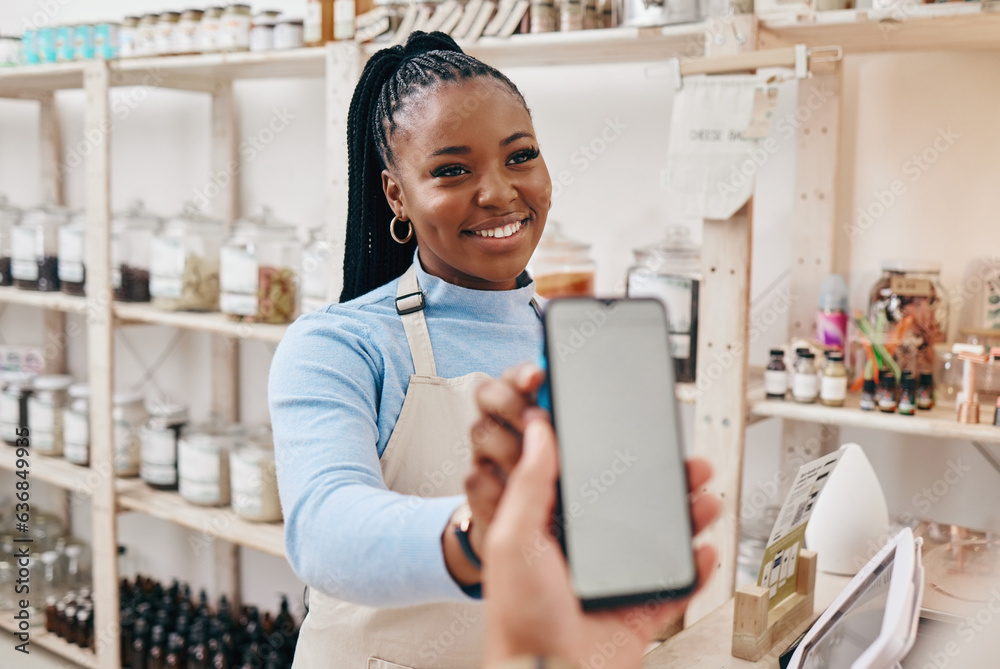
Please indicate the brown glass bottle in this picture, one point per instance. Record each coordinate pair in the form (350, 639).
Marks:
(176, 652)
(157, 656)
(140, 644)
(50, 614)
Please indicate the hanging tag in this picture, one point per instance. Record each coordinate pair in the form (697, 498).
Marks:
(765, 101)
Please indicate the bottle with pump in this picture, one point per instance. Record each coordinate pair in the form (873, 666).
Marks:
(831, 319)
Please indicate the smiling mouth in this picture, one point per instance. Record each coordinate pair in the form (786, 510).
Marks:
(503, 231)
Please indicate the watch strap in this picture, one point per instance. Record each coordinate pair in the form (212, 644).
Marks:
(462, 533)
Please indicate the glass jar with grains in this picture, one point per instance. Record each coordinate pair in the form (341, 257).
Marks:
(72, 241)
(184, 263)
(35, 249)
(10, 216)
(45, 413)
(132, 233)
(257, 271)
(562, 266)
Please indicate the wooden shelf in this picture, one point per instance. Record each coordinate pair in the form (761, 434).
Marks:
(53, 470)
(33, 81)
(50, 642)
(204, 322)
(52, 301)
(215, 523)
(938, 422)
(186, 71)
(937, 27)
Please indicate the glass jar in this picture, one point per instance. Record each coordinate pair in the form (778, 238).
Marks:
(10, 216)
(776, 376)
(288, 33)
(253, 477)
(71, 267)
(14, 404)
(561, 266)
(571, 15)
(262, 32)
(234, 28)
(45, 412)
(128, 414)
(128, 35)
(186, 36)
(132, 233)
(166, 33)
(35, 249)
(208, 30)
(159, 445)
(908, 307)
(671, 272)
(316, 272)
(203, 462)
(185, 263)
(544, 18)
(145, 35)
(805, 381)
(257, 273)
(76, 425)
(833, 385)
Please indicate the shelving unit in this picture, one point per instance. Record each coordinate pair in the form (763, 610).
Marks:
(52, 643)
(722, 408)
(53, 470)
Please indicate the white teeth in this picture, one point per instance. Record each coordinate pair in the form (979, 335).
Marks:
(505, 231)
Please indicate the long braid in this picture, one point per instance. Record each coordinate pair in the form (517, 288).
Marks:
(391, 77)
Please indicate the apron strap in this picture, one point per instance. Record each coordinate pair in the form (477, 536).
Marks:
(410, 307)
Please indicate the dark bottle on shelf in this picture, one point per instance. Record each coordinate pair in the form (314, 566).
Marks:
(50, 614)
(140, 644)
(176, 652)
(69, 626)
(83, 623)
(157, 655)
(60, 620)
(220, 661)
(197, 656)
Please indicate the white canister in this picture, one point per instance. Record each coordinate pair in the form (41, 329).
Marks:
(288, 33)
(145, 36)
(76, 425)
(186, 36)
(208, 30)
(234, 30)
(45, 412)
(203, 462)
(159, 440)
(128, 415)
(166, 33)
(128, 33)
(14, 405)
(262, 32)
(254, 480)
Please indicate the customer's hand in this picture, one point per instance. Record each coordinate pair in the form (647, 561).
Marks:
(505, 404)
(530, 604)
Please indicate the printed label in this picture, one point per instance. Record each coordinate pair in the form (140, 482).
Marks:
(833, 388)
(238, 271)
(159, 447)
(10, 410)
(41, 417)
(805, 386)
(314, 278)
(775, 382)
(166, 268)
(907, 287)
(71, 243)
(24, 256)
(78, 454)
(343, 19)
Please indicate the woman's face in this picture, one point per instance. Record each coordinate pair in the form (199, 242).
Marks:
(467, 172)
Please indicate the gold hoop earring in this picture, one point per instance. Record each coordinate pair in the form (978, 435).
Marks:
(392, 231)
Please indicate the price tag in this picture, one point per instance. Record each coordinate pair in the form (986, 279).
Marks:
(906, 287)
(765, 101)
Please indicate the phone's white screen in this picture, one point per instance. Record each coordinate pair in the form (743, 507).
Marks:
(623, 485)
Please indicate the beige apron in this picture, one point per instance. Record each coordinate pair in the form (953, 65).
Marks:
(427, 455)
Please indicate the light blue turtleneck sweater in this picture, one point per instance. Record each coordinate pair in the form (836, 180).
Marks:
(336, 388)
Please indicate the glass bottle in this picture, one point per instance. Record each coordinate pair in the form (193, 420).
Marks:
(140, 644)
(10, 216)
(127, 35)
(254, 480)
(128, 414)
(35, 249)
(561, 266)
(76, 425)
(72, 241)
(45, 412)
(258, 275)
(833, 385)
(132, 233)
(805, 382)
(671, 272)
(159, 439)
(886, 396)
(907, 394)
(925, 392)
(776, 376)
(184, 274)
(145, 36)
(203, 462)
(316, 272)
(156, 658)
(910, 291)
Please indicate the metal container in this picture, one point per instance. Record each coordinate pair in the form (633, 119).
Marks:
(659, 12)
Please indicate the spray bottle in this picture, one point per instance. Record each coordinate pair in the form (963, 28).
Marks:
(831, 319)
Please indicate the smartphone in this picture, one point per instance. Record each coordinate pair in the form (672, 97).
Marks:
(622, 516)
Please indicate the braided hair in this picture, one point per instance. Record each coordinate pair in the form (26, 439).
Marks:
(391, 78)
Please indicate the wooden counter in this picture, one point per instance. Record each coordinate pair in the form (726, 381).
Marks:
(706, 644)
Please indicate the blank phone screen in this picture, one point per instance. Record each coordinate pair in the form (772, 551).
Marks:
(623, 484)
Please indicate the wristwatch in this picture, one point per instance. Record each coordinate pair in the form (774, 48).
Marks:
(462, 531)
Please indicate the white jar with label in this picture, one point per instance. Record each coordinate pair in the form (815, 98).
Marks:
(14, 404)
(159, 445)
(45, 412)
(209, 28)
(72, 241)
(128, 415)
(203, 462)
(805, 381)
(234, 29)
(262, 32)
(127, 36)
(253, 476)
(76, 425)
(186, 35)
(145, 36)
(288, 33)
(166, 33)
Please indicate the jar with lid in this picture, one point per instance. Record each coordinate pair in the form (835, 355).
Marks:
(257, 274)
(544, 18)
(208, 29)
(805, 381)
(776, 376)
(671, 271)
(288, 33)
(909, 308)
(166, 33)
(14, 405)
(561, 266)
(72, 241)
(76, 425)
(45, 412)
(159, 445)
(262, 32)
(127, 36)
(234, 28)
(10, 51)
(128, 414)
(10, 216)
(35, 249)
(132, 233)
(184, 263)
(316, 271)
(145, 35)
(253, 476)
(203, 461)
(833, 385)
(571, 15)
(186, 33)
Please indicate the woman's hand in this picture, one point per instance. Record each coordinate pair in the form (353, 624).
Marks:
(506, 405)
(530, 604)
